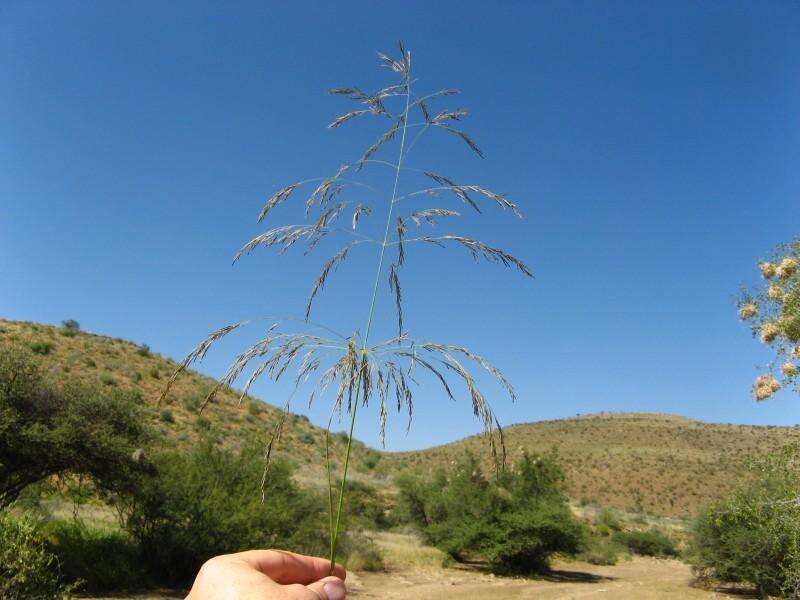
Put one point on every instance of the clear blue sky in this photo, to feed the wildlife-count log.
(654, 148)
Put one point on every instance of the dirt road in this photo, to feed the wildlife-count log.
(635, 579)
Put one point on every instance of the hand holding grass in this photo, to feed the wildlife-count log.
(268, 575)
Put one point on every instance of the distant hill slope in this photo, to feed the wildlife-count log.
(664, 464)
(117, 363)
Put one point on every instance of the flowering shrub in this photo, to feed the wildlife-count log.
(773, 312)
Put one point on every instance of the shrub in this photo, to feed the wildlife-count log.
(90, 363)
(254, 408)
(366, 507)
(101, 559)
(371, 459)
(753, 536)
(601, 551)
(42, 348)
(208, 502)
(155, 373)
(27, 568)
(143, 350)
(515, 522)
(71, 325)
(108, 379)
(73, 430)
(608, 519)
(646, 543)
(167, 416)
(362, 554)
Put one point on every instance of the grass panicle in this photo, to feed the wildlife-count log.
(350, 370)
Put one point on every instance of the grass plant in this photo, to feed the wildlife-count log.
(351, 367)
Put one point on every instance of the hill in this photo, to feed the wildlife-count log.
(661, 464)
(113, 362)
(665, 465)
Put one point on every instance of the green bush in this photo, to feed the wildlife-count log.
(366, 507)
(371, 459)
(753, 536)
(42, 348)
(100, 559)
(601, 551)
(27, 568)
(515, 522)
(607, 518)
(208, 502)
(362, 554)
(143, 350)
(77, 430)
(71, 325)
(108, 379)
(167, 416)
(646, 543)
(191, 403)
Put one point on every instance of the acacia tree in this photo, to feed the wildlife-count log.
(352, 367)
(773, 312)
(73, 430)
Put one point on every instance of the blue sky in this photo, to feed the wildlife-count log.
(653, 147)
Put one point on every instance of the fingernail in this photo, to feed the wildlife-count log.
(334, 590)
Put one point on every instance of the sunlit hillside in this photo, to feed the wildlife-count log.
(662, 464)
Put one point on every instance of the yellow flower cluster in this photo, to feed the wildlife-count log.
(767, 270)
(786, 268)
(748, 311)
(769, 331)
(765, 386)
(775, 292)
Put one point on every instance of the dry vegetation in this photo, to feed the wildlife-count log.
(661, 464)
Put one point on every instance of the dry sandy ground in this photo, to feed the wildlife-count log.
(639, 578)
(635, 579)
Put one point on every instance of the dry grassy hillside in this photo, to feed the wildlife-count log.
(662, 464)
(117, 363)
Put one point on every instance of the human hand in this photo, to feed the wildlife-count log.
(268, 575)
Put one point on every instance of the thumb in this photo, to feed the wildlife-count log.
(330, 588)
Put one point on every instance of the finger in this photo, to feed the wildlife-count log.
(287, 567)
(330, 588)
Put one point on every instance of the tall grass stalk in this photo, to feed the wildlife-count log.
(356, 370)
(371, 313)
